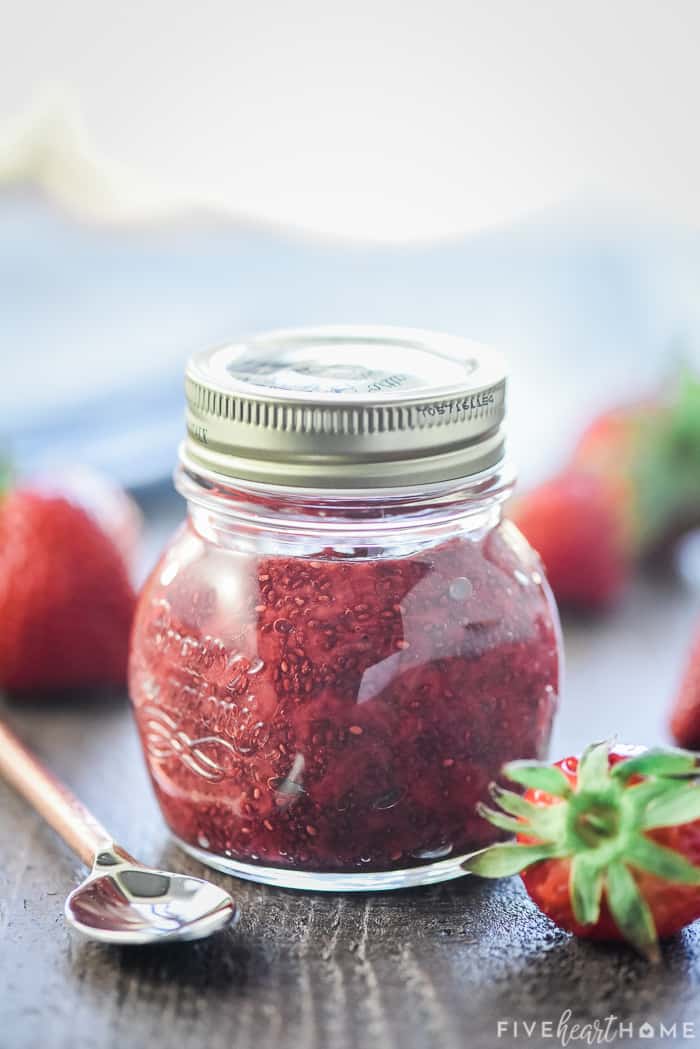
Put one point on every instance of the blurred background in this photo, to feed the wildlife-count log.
(176, 175)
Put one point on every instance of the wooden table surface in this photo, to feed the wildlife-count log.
(440, 966)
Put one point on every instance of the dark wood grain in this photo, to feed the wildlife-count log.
(430, 967)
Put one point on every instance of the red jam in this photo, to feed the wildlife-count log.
(335, 713)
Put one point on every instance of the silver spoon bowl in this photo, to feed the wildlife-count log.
(123, 902)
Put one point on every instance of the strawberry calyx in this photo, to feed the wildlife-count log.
(598, 821)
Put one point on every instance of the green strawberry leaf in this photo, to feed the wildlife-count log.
(513, 803)
(638, 796)
(500, 861)
(658, 762)
(593, 769)
(508, 823)
(664, 863)
(630, 911)
(586, 887)
(536, 776)
(673, 808)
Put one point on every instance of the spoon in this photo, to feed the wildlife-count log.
(120, 901)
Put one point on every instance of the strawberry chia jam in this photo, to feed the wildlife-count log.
(344, 642)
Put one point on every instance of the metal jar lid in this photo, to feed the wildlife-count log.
(345, 407)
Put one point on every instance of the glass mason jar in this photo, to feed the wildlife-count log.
(344, 641)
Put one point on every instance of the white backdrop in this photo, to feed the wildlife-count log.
(381, 119)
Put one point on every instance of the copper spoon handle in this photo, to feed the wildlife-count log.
(51, 799)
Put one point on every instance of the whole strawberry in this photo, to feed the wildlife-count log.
(578, 523)
(66, 599)
(609, 846)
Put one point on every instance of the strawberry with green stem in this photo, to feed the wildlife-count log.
(631, 488)
(652, 447)
(609, 846)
